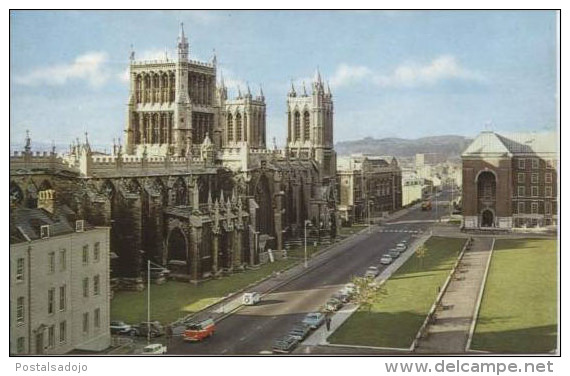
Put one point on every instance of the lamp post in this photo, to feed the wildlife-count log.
(159, 267)
(307, 223)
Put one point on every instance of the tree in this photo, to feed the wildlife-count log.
(367, 292)
(421, 252)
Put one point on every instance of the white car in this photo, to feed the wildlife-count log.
(153, 349)
(372, 272)
(401, 246)
(386, 260)
(251, 298)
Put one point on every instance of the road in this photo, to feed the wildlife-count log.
(252, 329)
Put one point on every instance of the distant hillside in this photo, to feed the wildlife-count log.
(449, 146)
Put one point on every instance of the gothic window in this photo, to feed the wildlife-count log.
(296, 126)
(230, 128)
(138, 88)
(307, 125)
(245, 127)
(180, 192)
(238, 127)
(486, 186)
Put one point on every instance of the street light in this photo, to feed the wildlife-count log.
(307, 223)
(160, 267)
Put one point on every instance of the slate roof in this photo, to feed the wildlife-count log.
(25, 223)
(489, 143)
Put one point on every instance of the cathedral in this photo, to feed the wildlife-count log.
(195, 187)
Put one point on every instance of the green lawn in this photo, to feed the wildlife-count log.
(173, 300)
(412, 289)
(518, 312)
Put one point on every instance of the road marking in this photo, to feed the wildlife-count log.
(224, 351)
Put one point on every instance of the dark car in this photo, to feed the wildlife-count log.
(333, 304)
(120, 327)
(300, 331)
(285, 344)
(394, 253)
(154, 328)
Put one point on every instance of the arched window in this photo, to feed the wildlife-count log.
(245, 126)
(297, 126)
(230, 128)
(307, 125)
(238, 127)
(138, 88)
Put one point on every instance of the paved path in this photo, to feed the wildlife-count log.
(450, 331)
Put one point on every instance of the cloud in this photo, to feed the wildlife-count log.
(442, 68)
(346, 75)
(89, 67)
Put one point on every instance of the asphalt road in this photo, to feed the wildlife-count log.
(252, 329)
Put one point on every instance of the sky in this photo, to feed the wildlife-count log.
(405, 74)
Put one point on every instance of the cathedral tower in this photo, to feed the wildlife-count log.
(310, 125)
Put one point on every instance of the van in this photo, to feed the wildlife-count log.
(251, 298)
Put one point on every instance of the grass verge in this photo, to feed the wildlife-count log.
(173, 300)
(518, 311)
(412, 289)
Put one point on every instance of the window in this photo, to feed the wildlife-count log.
(534, 178)
(297, 126)
(307, 126)
(21, 345)
(549, 163)
(548, 178)
(85, 257)
(548, 207)
(548, 191)
(20, 269)
(535, 163)
(51, 336)
(51, 262)
(62, 260)
(230, 128)
(62, 331)
(534, 191)
(534, 208)
(20, 311)
(521, 208)
(521, 163)
(51, 301)
(238, 127)
(520, 191)
(96, 285)
(85, 287)
(44, 231)
(86, 322)
(521, 177)
(97, 318)
(96, 251)
(62, 297)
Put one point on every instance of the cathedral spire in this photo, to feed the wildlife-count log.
(304, 90)
(318, 76)
(292, 92)
(239, 92)
(329, 93)
(214, 59)
(248, 91)
(182, 44)
(28, 146)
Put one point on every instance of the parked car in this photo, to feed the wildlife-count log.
(394, 253)
(300, 331)
(153, 349)
(120, 327)
(402, 246)
(386, 259)
(155, 329)
(350, 288)
(251, 298)
(342, 295)
(314, 319)
(372, 272)
(332, 305)
(426, 205)
(285, 344)
(197, 331)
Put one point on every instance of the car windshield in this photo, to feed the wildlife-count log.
(150, 349)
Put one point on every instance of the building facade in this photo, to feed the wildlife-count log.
(194, 188)
(510, 181)
(368, 187)
(59, 281)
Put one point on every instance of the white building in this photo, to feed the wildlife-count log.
(59, 281)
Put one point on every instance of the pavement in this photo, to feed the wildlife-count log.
(449, 332)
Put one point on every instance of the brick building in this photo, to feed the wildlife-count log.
(511, 180)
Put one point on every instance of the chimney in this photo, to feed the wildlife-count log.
(46, 200)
